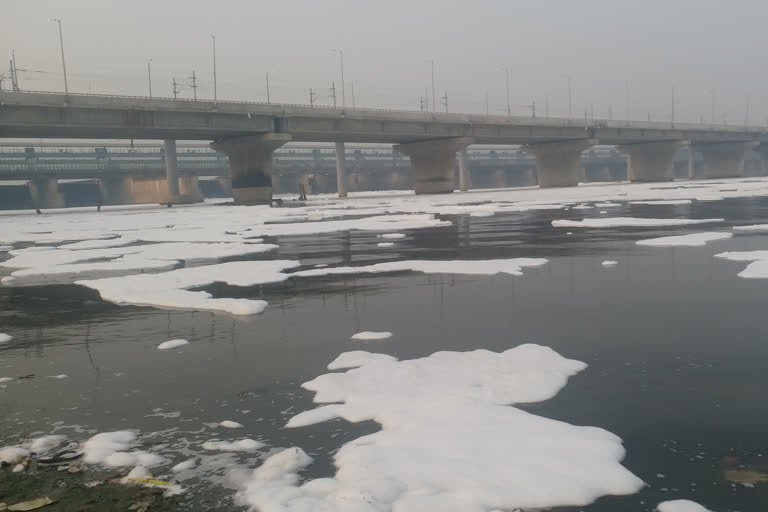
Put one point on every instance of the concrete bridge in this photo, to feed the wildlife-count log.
(249, 133)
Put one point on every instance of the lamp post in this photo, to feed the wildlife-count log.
(149, 76)
(63, 62)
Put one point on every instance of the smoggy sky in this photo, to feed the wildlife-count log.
(705, 49)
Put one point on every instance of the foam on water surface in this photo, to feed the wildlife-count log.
(681, 506)
(513, 266)
(757, 269)
(620, 222)
(692, 240)
(172, 344)
(371, 335)
(475, 453)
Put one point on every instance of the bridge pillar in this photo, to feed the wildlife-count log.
(724, 160)
(463, 171)
(433, 163)
(116, 190)
(188, 190)
(691, 162)
(250, 165)
(762, 150)
(171, 170)
(651, 161)
(225, 182)
(341, 170)
(45, 193)
(559, 163)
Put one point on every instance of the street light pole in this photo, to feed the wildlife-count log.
(149, 76)
(433, 85)
(215, 92)
(343, 95)
(570, 98)
(509, 109)
(63, 62)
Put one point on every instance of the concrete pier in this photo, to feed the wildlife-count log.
(45, 193)
(171, 170)
(559, 163)
(723, 160)
(464, 178)
(341, 170)
(651, 161)
(250, 165)
(691, 162)
(116, 190)
(433, 163)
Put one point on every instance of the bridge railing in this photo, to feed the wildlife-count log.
(284, 109)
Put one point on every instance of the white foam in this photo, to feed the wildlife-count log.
(230, 424)
(243, 445)
(692, 240)
(386, 244)
(512, 266)
(12, 454)
(681, 506)
(184, 466)
(5, 338)
(663, 202)
(172, 344)
(161, 256)
(7, 280)
(619, 222)
(392, 236)
(45, 443)
(753, 227)
(3, 380)
(609, 263)
(99, 244)
(758, 269)
(111, 449)
(61, 376)
(474, 452)
(371, 335)
(170, 289)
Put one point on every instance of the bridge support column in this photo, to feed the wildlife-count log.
(341, 169)
(651, 161)
(188, 190)
(225, 182)
(171, 170)
(463, 171)
(691, 162)
(762, 149)
(433, 163)
(116, 190)
(250, 165)
(559, 163)
(723, 160)
(45, 193)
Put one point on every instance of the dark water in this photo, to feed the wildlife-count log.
(676, 345)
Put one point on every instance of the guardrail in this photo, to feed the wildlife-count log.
(282, 109)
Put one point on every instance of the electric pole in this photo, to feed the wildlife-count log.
(673, 105)
(333, 93)
(486, 103)
(149, 76)
(546, 107)
(14, 73)
(267, 86)
(175, 85)
(63, 63)
(194, 85)
(433, 85)
(444, 101)
(312, 95)
(509, 108)
(421, 103)
(215, 92)
(353, 94)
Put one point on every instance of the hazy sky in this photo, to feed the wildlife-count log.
(705, 49)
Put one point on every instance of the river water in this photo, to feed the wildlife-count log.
(675, 344)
